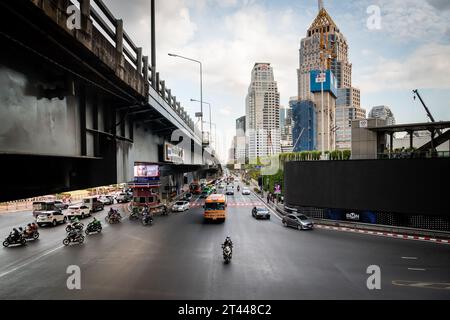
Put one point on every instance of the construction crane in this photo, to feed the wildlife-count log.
(416, 93)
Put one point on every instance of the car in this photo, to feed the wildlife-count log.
(299, 221)
(180, 206)
(61, 205)
(261, 213)
(229, 191)
(106, 200)
(78, 211)
(188, 196)
(246, 191)
(123, 197)
(53, 218)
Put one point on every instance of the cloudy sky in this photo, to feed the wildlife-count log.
(410, 50)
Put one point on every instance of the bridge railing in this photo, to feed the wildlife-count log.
(112, 28)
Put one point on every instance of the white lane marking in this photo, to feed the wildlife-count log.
(31, 261)
(417, 269)
(410, 258)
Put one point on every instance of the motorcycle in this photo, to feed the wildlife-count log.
(76, 238)
(227, 251)
(10, 241)
(135, 214)
(73, 227)
(93, 227)
(115, 218)
(147, 219)
(31, 236)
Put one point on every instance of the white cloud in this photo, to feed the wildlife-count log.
(407, 20)
(427, 67)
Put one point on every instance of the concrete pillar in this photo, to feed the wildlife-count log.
(157, 83)
(411, 139)
(85, 10)
(139, 60)
(163, 89)
(145, 60)
(391, 141)
(119, 36)
(174, 103)
(169, 96)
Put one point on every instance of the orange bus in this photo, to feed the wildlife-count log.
(216, 207)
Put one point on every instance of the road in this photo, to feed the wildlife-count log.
(179, 257)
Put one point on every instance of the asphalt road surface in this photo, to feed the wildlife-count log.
(180, 257)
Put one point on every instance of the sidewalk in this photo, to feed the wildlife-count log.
(370, 229)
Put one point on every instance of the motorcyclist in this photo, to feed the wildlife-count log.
(34, 227)
(76, 224)
(146, 215)
(238, 188)
(15, 235)
(228, 242)
(28, 230)
(95, 221)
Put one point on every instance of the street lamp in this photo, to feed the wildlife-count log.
(201, 84)
(209, 104)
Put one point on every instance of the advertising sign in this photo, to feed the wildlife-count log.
(363, 123)
(146, 172)
(352, 216)
(327, 78)
(173, 153)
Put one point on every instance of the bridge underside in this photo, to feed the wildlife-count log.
(67, 121)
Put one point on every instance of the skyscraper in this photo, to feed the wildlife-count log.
(304, 125)
(323, 42)
(241, 141)
(263, 113)
(348, 108)
(382, 112)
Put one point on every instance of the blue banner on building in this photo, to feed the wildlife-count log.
(327, 78)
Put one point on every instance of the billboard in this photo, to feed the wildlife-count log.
(173, 153)
(146, 172)
(327, 78)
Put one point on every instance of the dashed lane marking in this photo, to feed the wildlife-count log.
(417, 269)
(422, 284)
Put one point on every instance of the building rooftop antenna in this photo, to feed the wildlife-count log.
(320, 5)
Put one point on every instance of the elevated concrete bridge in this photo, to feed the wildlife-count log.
(79, 106)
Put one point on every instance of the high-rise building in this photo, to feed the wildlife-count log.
(241, 142)
(348, 108)
(304, 116)
(240, 126)
(313, 50)
(382, 112)
(263, 113)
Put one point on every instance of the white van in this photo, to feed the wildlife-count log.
(93, 204)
